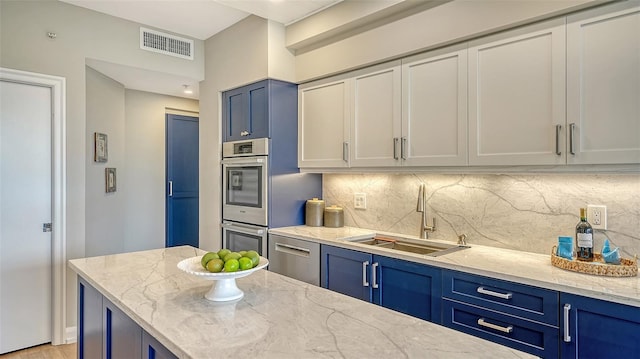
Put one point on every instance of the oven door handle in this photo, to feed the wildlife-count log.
(244, 229)
(242, 161)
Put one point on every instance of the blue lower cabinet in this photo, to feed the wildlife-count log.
(519, 316)
(89, 321)
(122, 336)
(104, 331)
(407, 287)
(152, 349)
(518, 333)
(346, 271)
(595, 328)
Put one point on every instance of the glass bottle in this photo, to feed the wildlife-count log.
(584, 238)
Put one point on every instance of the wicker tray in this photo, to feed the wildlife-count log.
(626, 268)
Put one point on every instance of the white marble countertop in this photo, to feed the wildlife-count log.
(522, 267)
(278, 316)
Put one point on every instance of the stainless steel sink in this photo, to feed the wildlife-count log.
(425, 247)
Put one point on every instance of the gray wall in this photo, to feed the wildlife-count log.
(143, 177)
(81, 34)
(105, 114)
(235, 56)
(451, 22)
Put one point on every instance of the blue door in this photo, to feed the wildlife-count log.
(598, 329)
(182, 181)
(346, 271)
(246, 112)
(407, 287)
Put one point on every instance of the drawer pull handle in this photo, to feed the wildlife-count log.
(507, 330)
(567, 337)
(481, 290)
(364, 274)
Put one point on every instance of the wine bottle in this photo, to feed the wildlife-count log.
(584, 238)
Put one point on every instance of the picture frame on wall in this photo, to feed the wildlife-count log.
(101, 152)
(110, 179)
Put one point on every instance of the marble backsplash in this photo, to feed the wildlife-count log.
(522, 212)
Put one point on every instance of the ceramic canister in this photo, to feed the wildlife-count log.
(333, 216)
(314, 211)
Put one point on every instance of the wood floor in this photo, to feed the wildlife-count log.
(45, 351)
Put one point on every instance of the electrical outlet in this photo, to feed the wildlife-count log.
(597, 216)
(360, 200)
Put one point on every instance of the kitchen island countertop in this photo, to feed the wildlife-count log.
(512, 265)
(278, 316)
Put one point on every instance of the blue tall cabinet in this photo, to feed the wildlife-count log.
(269, 109)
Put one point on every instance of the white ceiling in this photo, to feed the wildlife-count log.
(199, 19)
(202, 19)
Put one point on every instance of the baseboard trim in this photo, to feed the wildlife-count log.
(71, 335)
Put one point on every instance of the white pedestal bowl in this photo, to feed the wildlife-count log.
(224, 286)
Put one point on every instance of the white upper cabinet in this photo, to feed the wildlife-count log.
(603, 86)
(376, 118)
(517, 97)
(323, 124)
(558, 92)
(434, 104)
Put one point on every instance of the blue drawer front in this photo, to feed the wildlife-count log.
(534, 338)
(524, 301)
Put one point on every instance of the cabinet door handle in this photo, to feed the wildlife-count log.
(364, 274)
(572, 128)
(567, 337)
(403, 148)
(481, 290)
(482, 323)
(345, 151)
(395, 148)
(170, 188)
(374, 268)
(558, 128)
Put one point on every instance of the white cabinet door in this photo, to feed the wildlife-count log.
(376, 119)
(603, 86)
(323, 124)
(517, 97)
(434, 104)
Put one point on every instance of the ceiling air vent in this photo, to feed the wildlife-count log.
(155, 41)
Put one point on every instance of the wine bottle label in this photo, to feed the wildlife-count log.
(585, 240)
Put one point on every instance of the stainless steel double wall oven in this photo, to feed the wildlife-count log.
(262, 184)
(245, 167)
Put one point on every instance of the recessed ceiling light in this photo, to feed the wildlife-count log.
(187, 89)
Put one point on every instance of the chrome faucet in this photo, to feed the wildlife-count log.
(422, 207)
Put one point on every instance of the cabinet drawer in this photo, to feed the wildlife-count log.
(535, 338)
(516, 299)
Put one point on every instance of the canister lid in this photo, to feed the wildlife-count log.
(315, 200)
(333, 208)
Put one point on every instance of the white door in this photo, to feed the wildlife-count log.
(377, 117)
(25, 204)
(323, 124)
(517, 97)
(603, 85)
(434, 117)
